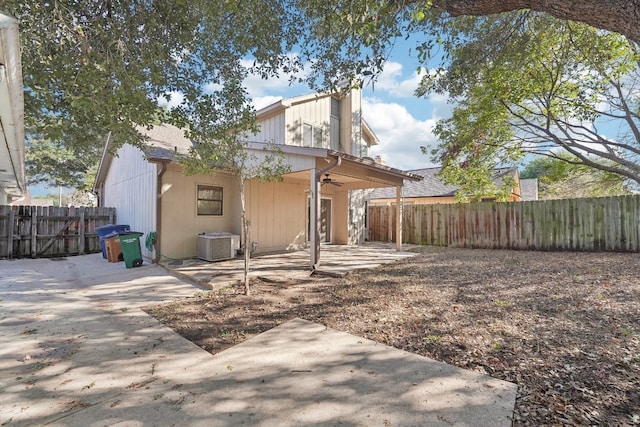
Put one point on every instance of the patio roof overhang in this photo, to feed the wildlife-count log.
(352, 173)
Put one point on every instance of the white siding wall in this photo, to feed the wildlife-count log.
(130, 187)
(272, 130)
(314, 112)
(297, 162)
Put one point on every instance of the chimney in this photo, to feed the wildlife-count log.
(378, 159)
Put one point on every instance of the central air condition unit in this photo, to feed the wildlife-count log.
(218, 246)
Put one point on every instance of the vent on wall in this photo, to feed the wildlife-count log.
(218, 246)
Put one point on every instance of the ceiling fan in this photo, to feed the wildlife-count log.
(327, 180)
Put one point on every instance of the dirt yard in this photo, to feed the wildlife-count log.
(564, 326)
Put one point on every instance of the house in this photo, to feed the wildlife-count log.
(431, 189)
(12, 167)
(321, 200)
(529, 189)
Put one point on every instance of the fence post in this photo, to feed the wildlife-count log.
(34, 232)
(12, 216)
(81, 229)
(390, 224)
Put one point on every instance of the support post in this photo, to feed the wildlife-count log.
(399, 218)
(314, 208)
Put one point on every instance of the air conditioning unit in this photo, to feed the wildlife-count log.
(218, 246)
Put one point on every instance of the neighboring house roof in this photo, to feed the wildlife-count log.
(165, 141)
(12, 167)
(431, 185)
(529, 189)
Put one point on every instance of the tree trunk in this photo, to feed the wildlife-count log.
(245, 237)
(621, 16)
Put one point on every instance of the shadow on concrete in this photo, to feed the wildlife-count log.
(75, 349)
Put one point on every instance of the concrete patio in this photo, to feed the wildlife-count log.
(76, 349)
(282, 266)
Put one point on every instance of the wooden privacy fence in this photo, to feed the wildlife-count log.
(597, 224)
(46, 231)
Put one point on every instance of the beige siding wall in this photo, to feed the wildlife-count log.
(180, 222)
(340, 204)
(130, 187)
(277, 212)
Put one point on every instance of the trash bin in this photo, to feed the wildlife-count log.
(130, 243)
(107, 230)
(114, 250)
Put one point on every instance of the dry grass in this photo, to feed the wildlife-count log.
(564, 326)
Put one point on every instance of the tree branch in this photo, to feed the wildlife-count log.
(613, 15)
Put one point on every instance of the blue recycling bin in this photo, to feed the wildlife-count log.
(108, 230)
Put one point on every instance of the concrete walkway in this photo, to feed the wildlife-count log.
(77, 350)
(334, 259)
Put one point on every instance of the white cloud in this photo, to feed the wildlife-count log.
(263, 101)
(175, 99)
(401, 134)
(391, 80)
(258, 87)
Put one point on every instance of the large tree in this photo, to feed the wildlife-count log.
(97, 66)
(101, 65)
(529, 83)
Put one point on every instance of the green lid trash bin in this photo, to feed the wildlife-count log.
(130, 243)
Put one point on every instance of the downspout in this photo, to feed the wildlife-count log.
(315, 192)
(163, 169)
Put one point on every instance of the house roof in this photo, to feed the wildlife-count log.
(12, 167)
(431, 185)
(284, 103)
(164, 141)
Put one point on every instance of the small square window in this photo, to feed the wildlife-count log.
(209, 200)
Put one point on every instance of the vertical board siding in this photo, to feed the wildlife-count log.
(47, 231)
(130, 186)
(596, 224)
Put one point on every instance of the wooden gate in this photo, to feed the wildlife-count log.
(47, 231)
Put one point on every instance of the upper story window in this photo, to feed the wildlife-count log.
(209, 200)
(311, 136)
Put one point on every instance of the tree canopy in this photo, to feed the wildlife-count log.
(529, 83)
(566, 177)
(98, 66)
